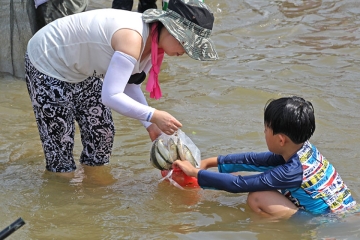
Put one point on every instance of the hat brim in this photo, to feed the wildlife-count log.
(195, 45)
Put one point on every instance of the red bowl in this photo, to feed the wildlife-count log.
(181, 178)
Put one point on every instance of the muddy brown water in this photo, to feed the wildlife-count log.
(267, 49)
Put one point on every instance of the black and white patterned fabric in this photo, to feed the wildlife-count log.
(57, 105)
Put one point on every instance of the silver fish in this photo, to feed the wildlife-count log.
(180, 149)
(153, 159)
(173, 151)
(164, 152)
(163, 164)
(188, 155)
(156, 159)
(185, 153)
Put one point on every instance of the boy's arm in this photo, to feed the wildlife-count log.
(280, 177)
(249, 161)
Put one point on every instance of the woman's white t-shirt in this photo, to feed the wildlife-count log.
(78, 46)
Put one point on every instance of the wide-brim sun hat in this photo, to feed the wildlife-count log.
(190, 22)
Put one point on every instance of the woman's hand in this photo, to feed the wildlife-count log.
(165, 122)
(154, 132)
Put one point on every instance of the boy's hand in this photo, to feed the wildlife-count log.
(186, 167)
(208, 163)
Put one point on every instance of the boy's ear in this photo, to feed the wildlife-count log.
(282, 139)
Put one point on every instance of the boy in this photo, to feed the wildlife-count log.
(293, 165)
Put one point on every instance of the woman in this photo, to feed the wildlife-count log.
(68, 58)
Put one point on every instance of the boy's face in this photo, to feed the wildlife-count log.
(271, 140)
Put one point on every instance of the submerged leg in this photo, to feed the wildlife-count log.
(271, 204)
(54, 112)
(95, 122)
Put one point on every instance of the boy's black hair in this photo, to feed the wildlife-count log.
(292, 116)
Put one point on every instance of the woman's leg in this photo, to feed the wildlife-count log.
(95, 122)
(53, 109)
(271, 204)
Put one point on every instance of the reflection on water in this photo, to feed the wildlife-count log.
(299, 8)
(267, 49)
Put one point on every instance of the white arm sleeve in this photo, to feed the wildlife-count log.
(134, 91)
(115, 81)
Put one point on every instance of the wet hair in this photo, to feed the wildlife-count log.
(292, 116)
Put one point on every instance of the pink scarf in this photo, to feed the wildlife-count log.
(157, 55)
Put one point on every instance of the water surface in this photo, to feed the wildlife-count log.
(267, 49)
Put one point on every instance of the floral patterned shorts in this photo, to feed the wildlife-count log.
(57, 105)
